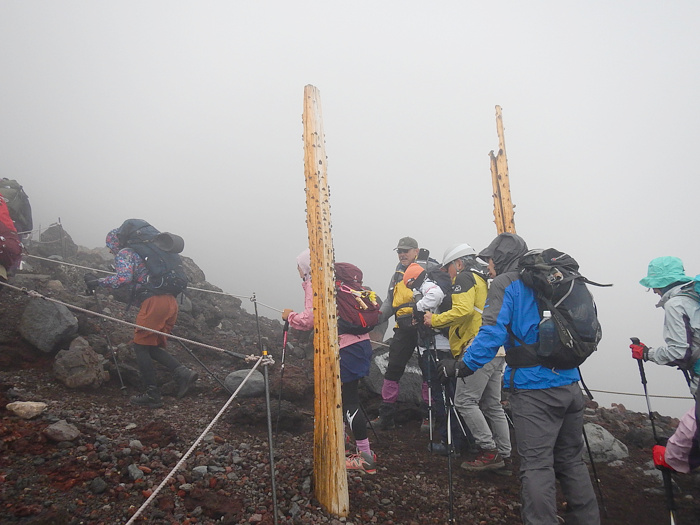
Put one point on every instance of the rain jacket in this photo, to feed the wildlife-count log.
(464, 318)
(680, 453)
(681, 332)
(511, 305)
(401, 304)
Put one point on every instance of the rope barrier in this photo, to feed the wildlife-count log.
(35, 294)
(64, 263)
(639, 395)
(197, 441)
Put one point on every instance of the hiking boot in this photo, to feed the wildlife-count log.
(362, 461)
(485, 460)
(149, 399)
(507, 469)
(385, 421)
(426, 427)
(185, 378)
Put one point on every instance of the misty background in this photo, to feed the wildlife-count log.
(188, 115)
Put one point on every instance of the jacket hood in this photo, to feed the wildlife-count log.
(112, 241)
(505, 250)
(304, 263)
(685, 289)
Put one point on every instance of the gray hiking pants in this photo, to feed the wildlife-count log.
(478, 400)
(549, 434)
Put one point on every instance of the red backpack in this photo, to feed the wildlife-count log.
(358, 306)
(10, 245)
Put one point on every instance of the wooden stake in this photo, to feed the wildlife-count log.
(503, 213)
(330, 477)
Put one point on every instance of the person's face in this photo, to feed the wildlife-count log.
(453, 269)
(407, 256)
(658, 291)
(492, 269)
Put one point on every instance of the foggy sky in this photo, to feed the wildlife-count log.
(189, 115)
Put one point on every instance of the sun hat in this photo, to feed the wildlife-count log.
(663, 271)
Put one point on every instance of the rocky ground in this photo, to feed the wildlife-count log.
(122, 453)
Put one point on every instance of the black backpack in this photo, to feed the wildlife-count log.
(561, 290)
(166, 276)
(18, 204)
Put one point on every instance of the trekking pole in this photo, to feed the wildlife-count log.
(285, 331)
(109, 344)
(189, 351)
(665, 473)
(446, 400)
(263, 352)
(369, 423)
(595, 472)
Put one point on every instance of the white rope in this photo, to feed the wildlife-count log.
(253, 299)
(196, 443)
(35, 294)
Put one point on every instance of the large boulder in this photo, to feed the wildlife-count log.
(80, 366)
(411, 382)
(604, 447)
(46, 325)
(253, 387)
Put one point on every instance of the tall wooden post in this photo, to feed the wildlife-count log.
(503, 213)
(330, 477)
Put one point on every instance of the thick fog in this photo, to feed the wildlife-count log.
(189, 115)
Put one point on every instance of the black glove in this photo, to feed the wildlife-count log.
(449, 368)
(418, 316)
(91, 282)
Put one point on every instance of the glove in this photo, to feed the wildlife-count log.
(448, 368)
(659, 454)
(640, 351)
(91, 282)
(418, 316)
(286, 312)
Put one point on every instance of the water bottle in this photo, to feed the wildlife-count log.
(548, 335)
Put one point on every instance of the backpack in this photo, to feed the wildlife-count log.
(10, 245)
(573, 318)
(18, 204)
(166, 276)
(692, 353)
(358, 306)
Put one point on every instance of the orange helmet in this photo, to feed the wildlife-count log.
(414, 276)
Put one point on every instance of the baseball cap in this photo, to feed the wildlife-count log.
(407, 243)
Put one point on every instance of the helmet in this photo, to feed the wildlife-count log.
(457, 252)
(414, 276)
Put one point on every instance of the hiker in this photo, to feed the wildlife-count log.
(681, 453)
(10, 243)
(547, 404)
(681, 304)
(157, 312)
(399, 303)
(432, 346)
(477, 397)
(355, 357)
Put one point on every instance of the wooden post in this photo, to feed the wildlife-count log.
(330, 476)
(503, 213)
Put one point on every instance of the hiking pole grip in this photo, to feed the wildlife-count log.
(640, 363)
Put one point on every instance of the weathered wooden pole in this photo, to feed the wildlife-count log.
(330, 477)
(503, 213)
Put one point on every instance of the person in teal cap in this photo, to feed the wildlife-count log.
(681, 303)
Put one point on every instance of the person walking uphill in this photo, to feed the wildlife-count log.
(681, 303)
(547, 404)
(477, 397)
(399, 303)
(355, 357)
(157, 312)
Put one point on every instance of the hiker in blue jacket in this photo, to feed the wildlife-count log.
(547, 404)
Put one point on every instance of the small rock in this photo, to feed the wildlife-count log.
(134, 472)
(98, 486)
(26, 409)
(62, 431)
